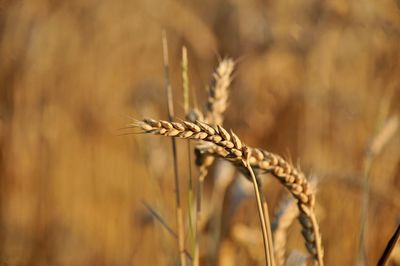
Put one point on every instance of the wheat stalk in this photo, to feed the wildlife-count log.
(378, 142)
(228, 146)
(179, 212)
(285, 215)
(215, 106)
(263, 211)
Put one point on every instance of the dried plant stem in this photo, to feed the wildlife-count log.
(214, 109)
(196, 256)
(192, 227)
(229, 146)
(268, 225)
(390, 246)
(284, 217)
(266, 232)
(186, 104)
(179, 213)
(382, 137)
(199, 216)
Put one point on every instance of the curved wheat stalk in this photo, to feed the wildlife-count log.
(297, 184)
(228, 146)
(285, 215)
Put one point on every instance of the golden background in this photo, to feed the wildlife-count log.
(314, 81)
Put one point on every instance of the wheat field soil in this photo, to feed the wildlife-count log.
(285, 132)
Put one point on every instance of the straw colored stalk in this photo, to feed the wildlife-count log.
(178, 212)
(285, 215)
(229, 146)
(214, 109)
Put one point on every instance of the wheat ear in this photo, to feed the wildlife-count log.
(228, 146)
(217, 99)
(219, 136)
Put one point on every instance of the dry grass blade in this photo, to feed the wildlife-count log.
(229, 147)
(161, 220)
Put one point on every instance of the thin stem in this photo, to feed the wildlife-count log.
(200, 187)
(381, 137)
(267, 220)
(364, 212)
(179, 213)
(192, 229)
(390, 246)
(186, 105)
(164, 224)
(267, 248)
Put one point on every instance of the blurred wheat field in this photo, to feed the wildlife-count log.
(314, 82)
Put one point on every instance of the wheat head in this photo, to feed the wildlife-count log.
(228, 146)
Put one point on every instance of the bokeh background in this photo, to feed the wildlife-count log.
(314, 81)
